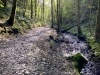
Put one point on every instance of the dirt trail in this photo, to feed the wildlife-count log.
(18, 52)
(30, 54)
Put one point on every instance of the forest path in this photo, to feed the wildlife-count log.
(30, 54)
(34, 53)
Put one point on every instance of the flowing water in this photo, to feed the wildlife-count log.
(75, 46)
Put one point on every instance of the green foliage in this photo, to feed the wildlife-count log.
(39, 24)
(5, 12)
(1, 4)
(95, 46)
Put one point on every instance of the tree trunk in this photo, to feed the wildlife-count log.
(24, 7)
(58, 15)
(35, 9)
(43, 8)
(97, 31)
(52, 13)
(38, 10)
(10, 21)
(31, 8)
(78, 13)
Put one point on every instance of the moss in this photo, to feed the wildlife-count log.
(95, 46)
(78, 61)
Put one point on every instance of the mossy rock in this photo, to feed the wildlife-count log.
(78, 61)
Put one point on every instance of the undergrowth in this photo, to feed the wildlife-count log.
(22, 23)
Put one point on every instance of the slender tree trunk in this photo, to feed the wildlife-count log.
(90, 20)
(31, 8)
(55, 14)
(58, 15)
(10, 21)
(60, 12)
(38, 9)
(52, 13)
(41, 14)
(78, 13)
(43, 8)
(35, 9)
(97, 31)
(24, 8)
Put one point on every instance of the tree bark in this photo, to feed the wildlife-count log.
(97, 31)
(58, 15)
(35, 8)
(10, 21)
(43, 8)
(25, 2)
(52, 13)
(31, 8)
(78, 13)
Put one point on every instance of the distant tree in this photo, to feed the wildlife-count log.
(38, 10)
(97, 31)
(52, 13)
(35, 8)
(43, 7)
(55, 10)
(58, 15)
(10, 21)
(78, 19)
(31, 8)
(25, 5)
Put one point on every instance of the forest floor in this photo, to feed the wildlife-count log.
(33, 53)
(41, 51)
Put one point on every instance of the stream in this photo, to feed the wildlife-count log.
(75, 46)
